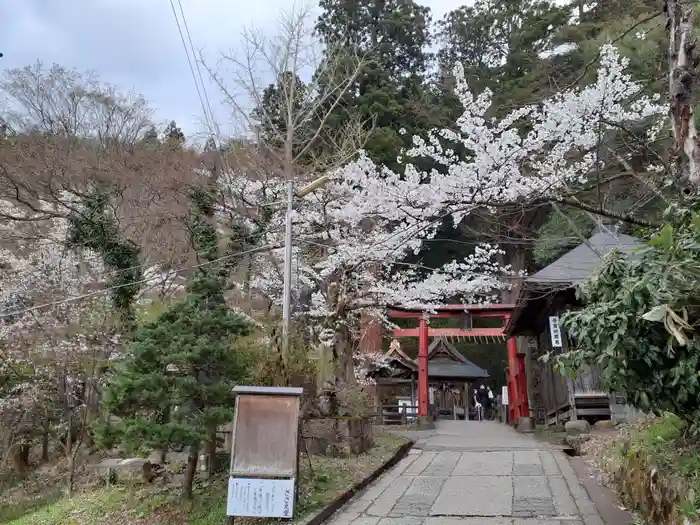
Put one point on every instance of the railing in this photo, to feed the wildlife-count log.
(396, 414)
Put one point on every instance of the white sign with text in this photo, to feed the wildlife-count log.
(260, 498)
(555, 331)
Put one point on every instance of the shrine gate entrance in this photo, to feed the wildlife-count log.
(515, 372)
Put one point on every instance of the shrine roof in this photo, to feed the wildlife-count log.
(446, 370)
(444, 361)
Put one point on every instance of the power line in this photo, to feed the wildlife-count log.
(189, 61)
(149, 264)
(199, 70)
(116, 287)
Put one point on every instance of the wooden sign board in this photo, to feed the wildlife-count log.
(264, 452)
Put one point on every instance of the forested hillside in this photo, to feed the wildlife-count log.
(143, 276)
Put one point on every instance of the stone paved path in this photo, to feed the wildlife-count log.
(471, 473)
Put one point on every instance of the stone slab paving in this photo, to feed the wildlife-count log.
(474, 473)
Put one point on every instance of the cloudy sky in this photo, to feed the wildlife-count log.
(135, 44)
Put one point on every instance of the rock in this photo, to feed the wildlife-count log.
(134, 467)
(576, 442)
(157, 457)
(580, 426)
(605, 423)
(526, 425)
(221, 462)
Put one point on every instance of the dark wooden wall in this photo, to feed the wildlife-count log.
(559, 391)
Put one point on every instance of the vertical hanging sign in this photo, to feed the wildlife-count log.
(264, 452)
(555, 331)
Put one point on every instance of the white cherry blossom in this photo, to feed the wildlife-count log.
(353, 236)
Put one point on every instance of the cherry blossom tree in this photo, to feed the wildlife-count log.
(46, 338)
(352, 236)
(58, 329)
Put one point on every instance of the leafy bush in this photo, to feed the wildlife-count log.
(656, 468)
(639, 322)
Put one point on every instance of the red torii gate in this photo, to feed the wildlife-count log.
(515, 373)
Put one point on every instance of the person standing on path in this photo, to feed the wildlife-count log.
(492, 405)
(478, 408)
(482, 398)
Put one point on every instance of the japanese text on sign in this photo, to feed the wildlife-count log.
(252, 497)
(555, 331)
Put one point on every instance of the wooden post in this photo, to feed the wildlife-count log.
(513, 368)
(423, 367)
(522, 384)
(413, 391)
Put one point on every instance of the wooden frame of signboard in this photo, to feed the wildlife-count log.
(264, 452)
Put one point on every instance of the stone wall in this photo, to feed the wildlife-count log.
(337, 436)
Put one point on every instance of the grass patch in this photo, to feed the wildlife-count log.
(656, 469)
(322, 479)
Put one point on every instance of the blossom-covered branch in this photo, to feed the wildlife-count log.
(353, 236)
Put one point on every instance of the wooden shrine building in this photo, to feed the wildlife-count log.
(542, 299)
(450, 378)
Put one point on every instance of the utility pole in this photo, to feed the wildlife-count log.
(287, 286)
(287, 290)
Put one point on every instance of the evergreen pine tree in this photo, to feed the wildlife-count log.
(173, 135)
(175, 386)
(150, 137)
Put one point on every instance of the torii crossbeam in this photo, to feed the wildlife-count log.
(515, 374)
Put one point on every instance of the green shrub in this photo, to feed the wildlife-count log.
(638, 323)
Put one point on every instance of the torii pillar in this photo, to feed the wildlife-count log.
(424, 419)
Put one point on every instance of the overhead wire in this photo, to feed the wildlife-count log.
(148, 264)
(189, 62)
(132, 283)
(209, 118)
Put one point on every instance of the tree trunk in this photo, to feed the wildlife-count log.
(71, 474)
(372, 332)
(344, 367)
(190, 471)
(70, 455)
(20, 459)
(45, 438)
(211, 453)
(682, 64)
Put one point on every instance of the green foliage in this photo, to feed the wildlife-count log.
(173, 135)
(150, 137)
(93, 226)
(498, 42)
(560, 234)
(301, 369)
(178, 377)
(176, 382)
(209, 279)
(271, 116)
(639, 322)
(657, 470)
(390, 91)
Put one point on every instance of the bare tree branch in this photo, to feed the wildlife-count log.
(295, 126)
